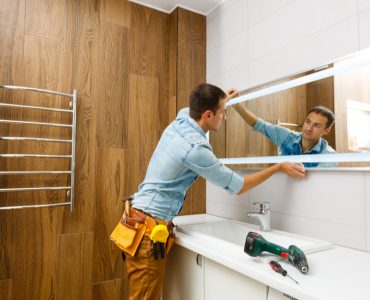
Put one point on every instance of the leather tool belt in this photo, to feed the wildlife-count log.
(132, 227)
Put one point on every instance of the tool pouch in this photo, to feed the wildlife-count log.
(169, 244)
(127, 235)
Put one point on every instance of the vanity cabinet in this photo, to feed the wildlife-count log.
(191, 276)
(184, 275)
(277, 295)
(222, 283)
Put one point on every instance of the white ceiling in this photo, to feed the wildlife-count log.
(199, 6)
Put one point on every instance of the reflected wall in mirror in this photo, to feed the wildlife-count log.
(347, 95)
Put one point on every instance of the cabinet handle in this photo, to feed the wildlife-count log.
(199, 260)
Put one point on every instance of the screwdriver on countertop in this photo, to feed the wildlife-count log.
(279, 269)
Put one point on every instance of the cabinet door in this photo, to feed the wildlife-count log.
(184, 275)
(222, 283)
(277, 295)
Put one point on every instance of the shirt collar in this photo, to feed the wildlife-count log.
(314, 149)
(196, 126)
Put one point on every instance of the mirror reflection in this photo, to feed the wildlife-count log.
(288, 113)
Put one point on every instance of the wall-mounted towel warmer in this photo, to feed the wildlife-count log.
(72, 141)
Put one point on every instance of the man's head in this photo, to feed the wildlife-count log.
(318, 123)
(207, 106)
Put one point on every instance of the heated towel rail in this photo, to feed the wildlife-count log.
(72, 141)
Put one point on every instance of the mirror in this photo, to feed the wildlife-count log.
(342, 86)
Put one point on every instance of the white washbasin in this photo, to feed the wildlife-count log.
(235, 232)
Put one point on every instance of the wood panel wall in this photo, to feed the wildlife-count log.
(133, 68)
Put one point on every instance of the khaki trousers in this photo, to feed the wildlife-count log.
(144, 273)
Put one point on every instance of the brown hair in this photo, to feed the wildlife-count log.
(204, 97)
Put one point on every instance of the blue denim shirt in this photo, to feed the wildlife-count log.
(290, 142)
(183, 153)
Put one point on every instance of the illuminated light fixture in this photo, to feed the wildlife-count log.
(306, 158)
(358, 60)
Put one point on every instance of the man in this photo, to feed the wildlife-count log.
(317, 124)
(182, 154)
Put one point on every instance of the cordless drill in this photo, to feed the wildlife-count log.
(255, 244)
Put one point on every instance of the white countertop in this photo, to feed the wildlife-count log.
(337, 273)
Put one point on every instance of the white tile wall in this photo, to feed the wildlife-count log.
(337, 233)
(313, 196)
(263, 9)
(327, 205)
(225, 24)
(297, 21)
(364, 28)
(235, 78)
(228, 55)
(315, 50)
(363, 4)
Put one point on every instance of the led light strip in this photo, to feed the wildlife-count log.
(362, 59)
(307, 158)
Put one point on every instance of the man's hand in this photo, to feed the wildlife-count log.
(232, 93)
(295, 170)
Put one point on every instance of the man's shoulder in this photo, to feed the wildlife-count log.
(326, 149)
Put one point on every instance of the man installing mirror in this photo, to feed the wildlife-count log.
(316, 125)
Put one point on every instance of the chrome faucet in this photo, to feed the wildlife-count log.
(263, 216)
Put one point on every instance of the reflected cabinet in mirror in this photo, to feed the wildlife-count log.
(346, 94)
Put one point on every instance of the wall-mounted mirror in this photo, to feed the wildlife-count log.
(342, 86)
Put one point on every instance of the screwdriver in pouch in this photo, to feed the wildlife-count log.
(279, 269)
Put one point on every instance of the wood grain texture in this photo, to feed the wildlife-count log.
(172, 66)
(6, 244)
(45, 18)
(111, 109)
(6, 289)
(191, 54)
(11, 54)
(111, 165)
(116, 11)
(81, 73)
(149, 52)
(144, 127)
(36, 232)
(148, 42)
(74, 252)
(112, 290)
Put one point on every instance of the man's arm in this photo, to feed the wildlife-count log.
(296, 171)
(203, 162)
(245, 114)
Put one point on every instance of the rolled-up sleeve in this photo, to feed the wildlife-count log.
(202, 161)
(277, 134)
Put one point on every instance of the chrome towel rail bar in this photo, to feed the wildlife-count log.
(72, 156)
(21, 138)
(35, 155)
(36, 205)
(34, 123)
(44, 188)
(33, 172)
(36, 107)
